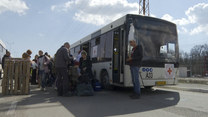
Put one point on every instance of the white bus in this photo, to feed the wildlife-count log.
(108, 49)
(2, 53)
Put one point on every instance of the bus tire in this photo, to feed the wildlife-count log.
(105, 81)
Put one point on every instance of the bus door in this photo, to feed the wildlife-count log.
(122, 54)
(117, 56)
(86, 47)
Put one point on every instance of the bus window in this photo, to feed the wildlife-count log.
(163, 49)
(72, 51)
(171, 50)
(99, 49)
(76, 51)
(86, 47)
(102, 47)
(168, 50)
(92, 43)
(97, 41)
(108, 46)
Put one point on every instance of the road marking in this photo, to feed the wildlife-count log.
(12, 108)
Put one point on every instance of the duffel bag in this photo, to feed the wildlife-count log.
(84, 89)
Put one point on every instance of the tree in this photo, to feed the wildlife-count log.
(198, 54)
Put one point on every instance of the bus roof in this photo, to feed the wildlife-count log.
(103, 30)
(113, 25)
(2, 43)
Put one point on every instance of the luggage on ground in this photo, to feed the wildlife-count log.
(96, 85)
(84, 87)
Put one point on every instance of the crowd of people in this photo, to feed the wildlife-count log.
(47, 71)
(42, 73)
(63, 61)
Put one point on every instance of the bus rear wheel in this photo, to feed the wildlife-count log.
(105, 82)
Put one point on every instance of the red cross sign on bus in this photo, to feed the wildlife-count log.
(94, 49)
(169, 71)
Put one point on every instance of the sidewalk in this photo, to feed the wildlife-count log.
(193, 80)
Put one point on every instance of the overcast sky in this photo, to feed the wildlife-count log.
(47, 24)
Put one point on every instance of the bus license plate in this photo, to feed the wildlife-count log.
(160, 83)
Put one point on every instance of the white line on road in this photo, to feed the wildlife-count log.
(12, 108)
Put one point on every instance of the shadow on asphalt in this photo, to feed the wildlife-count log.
(105, 103)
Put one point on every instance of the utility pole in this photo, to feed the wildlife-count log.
(144, 7)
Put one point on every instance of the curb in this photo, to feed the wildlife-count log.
(184, 89)
(193, 80)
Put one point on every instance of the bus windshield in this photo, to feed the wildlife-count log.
(159, 42)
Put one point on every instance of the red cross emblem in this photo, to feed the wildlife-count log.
(169, 71)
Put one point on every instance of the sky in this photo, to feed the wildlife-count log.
(47, 24)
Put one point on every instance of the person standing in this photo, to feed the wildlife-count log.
(46, 67)
(77, 60)
(61, 62)
(85, 64)
(41, 71)
(135, 63)
(34, 70)
(6, 56)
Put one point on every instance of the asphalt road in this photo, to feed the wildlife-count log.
(160, 102)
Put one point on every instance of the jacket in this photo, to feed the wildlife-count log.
(40, 62)
(137, 56)
(85, 64)
(62, 58)
(46, 64)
